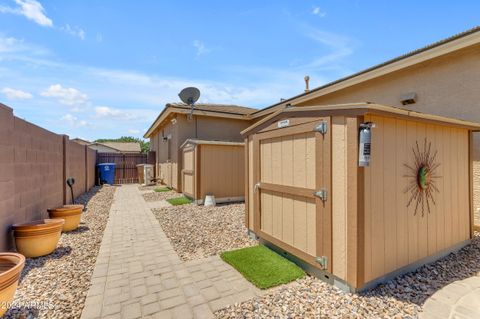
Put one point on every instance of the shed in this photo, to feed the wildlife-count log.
(213, 168)
(357, 226)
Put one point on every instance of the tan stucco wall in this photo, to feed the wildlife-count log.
(209, 128)
(446, 86)
(201, 127)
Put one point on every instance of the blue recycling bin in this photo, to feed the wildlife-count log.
(106, 173)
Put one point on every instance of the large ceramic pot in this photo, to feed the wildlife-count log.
(11, 265)
(70, 213)
(37, 238)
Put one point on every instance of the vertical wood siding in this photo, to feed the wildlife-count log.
(188, 171)
(394, 234)
(339, 196)
(251, 184)
(289, 161)
(222, 171)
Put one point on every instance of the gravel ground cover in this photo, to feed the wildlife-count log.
(156, 196)
(55, 286)
(198, 231)
(402, 297)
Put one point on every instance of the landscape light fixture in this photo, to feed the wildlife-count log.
(70, 182)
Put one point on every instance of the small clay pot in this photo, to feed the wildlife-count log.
(71, 214)
(37, 238)
(11, 265)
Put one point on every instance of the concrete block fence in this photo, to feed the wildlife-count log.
(34, 165)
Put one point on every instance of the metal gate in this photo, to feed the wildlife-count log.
(292, 200)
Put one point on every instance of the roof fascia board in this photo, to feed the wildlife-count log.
(446, 48)
(366, 108)
(172, 109)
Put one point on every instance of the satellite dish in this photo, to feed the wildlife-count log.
(189, 96)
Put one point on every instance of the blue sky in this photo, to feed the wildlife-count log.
(96, 69)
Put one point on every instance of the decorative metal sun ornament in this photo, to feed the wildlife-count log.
(422, 178)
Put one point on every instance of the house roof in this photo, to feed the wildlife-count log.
(211, 142)
(130, 147)
(221, 108)
(81, 141)
(203, 109)
(459, 41)
(359, 109)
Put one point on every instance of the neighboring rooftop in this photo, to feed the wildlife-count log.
(124, 147)
(205, 109)
(222, 108)
(81, 141)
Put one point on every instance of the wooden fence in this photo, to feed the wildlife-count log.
(126, 165)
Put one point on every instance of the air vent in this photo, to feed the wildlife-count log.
(408, 98)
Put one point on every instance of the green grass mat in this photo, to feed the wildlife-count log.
(179, 201)
(263, 267)
(162, 189)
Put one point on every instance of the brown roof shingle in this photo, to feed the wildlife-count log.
(124, 146)
(222, 108)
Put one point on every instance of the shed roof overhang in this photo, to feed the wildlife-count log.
(169, 110)
(355, 109)
(210, 142)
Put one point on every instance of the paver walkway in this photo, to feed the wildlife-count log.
(458, 300)
(138, 274)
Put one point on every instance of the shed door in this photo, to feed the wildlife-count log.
(188, 172)
(292, 166)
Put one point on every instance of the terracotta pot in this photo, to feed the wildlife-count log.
(11, 265)
(37, 238)
(71, 214)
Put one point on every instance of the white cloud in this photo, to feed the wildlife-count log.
(9, 44)
(340, 46)
(318, 12)
(31, 9)
(75, 31)
(133, 131)
(17, 49)
(13, 94)
(201, 48)
(137, 115)
(105, 111)
(73, 120)
(99, 37)
(67, 96)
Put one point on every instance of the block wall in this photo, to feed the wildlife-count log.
(34, 164)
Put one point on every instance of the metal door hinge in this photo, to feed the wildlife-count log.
(322, 127)
(256, 187)
(322, 194)
(323, 261)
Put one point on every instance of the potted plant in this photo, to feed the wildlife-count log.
(71, 214)
(11, 265)
(37, 238)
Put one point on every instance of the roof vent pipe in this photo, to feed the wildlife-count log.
(306, 78)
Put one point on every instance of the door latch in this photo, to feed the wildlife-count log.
(322, 194)
(256, 187)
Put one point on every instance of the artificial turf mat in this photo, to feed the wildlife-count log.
(263, 267)
(179, 201)
(162, 189)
